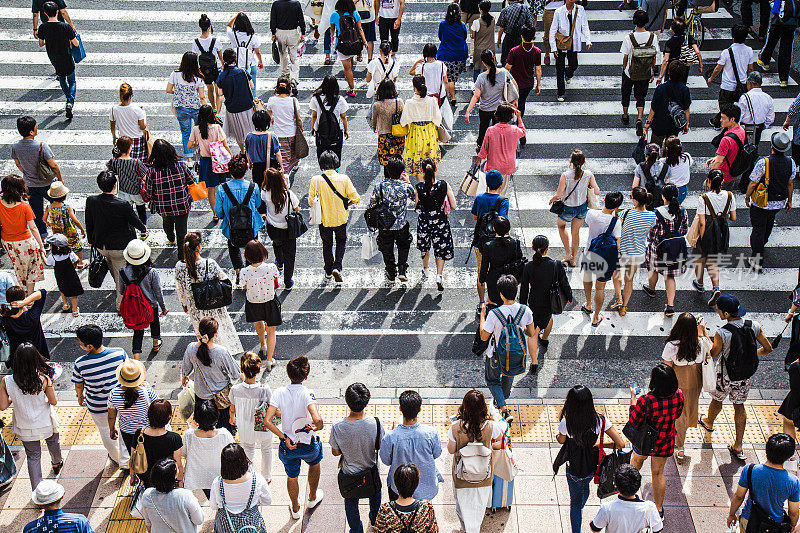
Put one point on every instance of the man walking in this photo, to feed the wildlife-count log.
(758, 109)
(525, 64)
(728, 146)
(39, 14)
(335, 193)
(492, 199)
(737, 342)
(288, 26)
(735, 63)
(569, 31)
(777, 172)
(56, 37)
(782, 25)
(639, 50)
(49, 496)
(26, 154)
(512, 19)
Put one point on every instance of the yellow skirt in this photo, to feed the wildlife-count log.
(422, 142)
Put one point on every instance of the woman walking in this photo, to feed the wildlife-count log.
(202, 447)
(165, 507)
(714, 209)
(18, 231)
(158, 442)
(679, 164)
(214, 370)
(325, 106)
(262, 149)
(261, 307)
(284, 119)
(660, 407)
(22, 320)
(490, 92)
(573, 188)
(188, 90)
(131, 174)
(433, 226)
(130, 120)
(128, 402)
(29, 390)
(453, 50)
(245, 398)
(387, 106)
(191, 270)
(472, 425)
(280, 201)
(422, 116)
(500, 143)
(636, 224)
(501, 255)
(246, 46)
(482, 32)
(235, 85)
(579, 430)
(139, 271)
(207, 132)
(684, 350)
(346, 8)
(434, 72)
(383, 68)
(208, 45)
(671, 221)
(167, 187)
(237, 492)
(651, 174)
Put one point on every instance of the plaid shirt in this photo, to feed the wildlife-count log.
(662, 414)
(168, 190)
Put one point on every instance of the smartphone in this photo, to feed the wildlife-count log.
(636, 388)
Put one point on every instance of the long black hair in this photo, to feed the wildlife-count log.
(205, 117)
(487, 56)
(242, 24)
(485, 8)
(540, 245)
(163, 155)
(670, 194)
(190, 68)
(28, 364)
(580, 415)
(453, 14)
(130, 395)
(208, 329)
(429, 169)
(684, 332)
(329, 88)
(345, 6)
(502, 227)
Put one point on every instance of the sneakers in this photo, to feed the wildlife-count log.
(313, 503)
(714, 297)
(625, 119)
(560, 98)
(402, 277)
(296, 515)
(764, 66)
(389, 278)
(337, 276)
(328, 277)
(784, 83)
(547, 59)
(697, 286)
(269, 365)
(289, 286)
(648, 291)
(669, 311)
(507, 416)
(68, 111)
(567, 80)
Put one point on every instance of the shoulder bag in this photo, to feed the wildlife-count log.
(138, 456)
(379, 216)
(98, 268)
(559, 205)
(760, 194)
(558, 300)
(644, 436)
(741, 88)
(221, 398)
(345, 200)
(43, 170)
(294, 220)
(366, 483)
(212, 293)
(564, 42)
(510, 93)
(299, 143)
(398, 130)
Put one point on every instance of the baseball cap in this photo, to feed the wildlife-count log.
(728, 303)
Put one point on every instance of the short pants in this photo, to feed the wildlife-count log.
(571, 212)
(291, 459)
(737, 391)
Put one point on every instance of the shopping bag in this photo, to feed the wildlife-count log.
(316, 212)
(469, 185)
(219, 157)
(503, 464)
(606, 469)
(369, 245)
(709, 371)
(8, 468)
(447, 115)
(186, 401)
(198, 191)
(694, 232)
(78, 52)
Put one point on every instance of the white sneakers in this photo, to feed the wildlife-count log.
(337, 276)
(309, 505)
(296, 515)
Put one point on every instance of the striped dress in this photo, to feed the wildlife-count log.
(98, 373)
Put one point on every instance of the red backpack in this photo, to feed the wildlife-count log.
(136, 311)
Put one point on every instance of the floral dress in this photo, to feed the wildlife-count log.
(206, 269)
(61, 223)
(664, 225)
(433, 227)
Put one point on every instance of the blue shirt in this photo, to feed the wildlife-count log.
(418, 444)
(335, 16)
(6, 280)
(484, 202)
(239, 190)
(256, 147)
(57, 521)
(98, 373)
(453, 45)
(233, 82)
(772, 487)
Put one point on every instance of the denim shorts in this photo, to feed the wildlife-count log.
(571, 212)
(291, 459)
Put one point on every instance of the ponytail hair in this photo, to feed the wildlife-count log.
(670, 194)
(485, 8)
(205, 23)
(125, 92)
(487, 57)
(652, 151)
(715, 178)
(208, 329)
(641, 196)
(540, 244)
(385, 48)
(191, 243)
(577, 160)
(429, 169)
(419, 85)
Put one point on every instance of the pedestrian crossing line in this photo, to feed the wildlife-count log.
(533, 200)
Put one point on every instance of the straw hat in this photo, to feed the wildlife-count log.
(57, 190)
(131, 373)
(137, 252)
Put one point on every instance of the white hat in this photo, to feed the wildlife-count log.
(137, 252)
(47, 492)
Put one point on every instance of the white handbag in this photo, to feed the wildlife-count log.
(186, 401)
(316, 210)
(447, 115)
(709, 371)
(369, 245)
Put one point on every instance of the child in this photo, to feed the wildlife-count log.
(131, 174)
(64, 261)
(60, 218)
(245, 399)
(140, 271)
(261, 307)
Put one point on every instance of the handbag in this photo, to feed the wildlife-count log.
(644, 436)
(379, 216)
(221, 398)
(149, 141)
(442, 134)
(276, 54)
(299, 143)
(469, 185)
(43, 171)
(591, 199)
(138, 461)
(366, 483)
(760, 194)
(606, 469)
(294, 220)
(315, 218)
(447, 115)
(98, 268)
(258, 105)
(78, 52)
(219, 157)
(558, 206)
(260, 418)
(212, 293)
(510, 93)
(398, 130)
(186, 401)
(694, 232)
(558, 300)
(8, 467)
(638, 151)
(136, 495)
(198, 191)
(369, 245)
(709, 372)
(503, 464)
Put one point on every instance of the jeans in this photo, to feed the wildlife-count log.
(501, 389)
(285, 251)
(354, 517)
(155, 332)
(486, 119)
(175, 226)
(784, 34)
(68, 86)
(236, 254)
(33, 455)
(186, 117)
(326, 234)
(253, 71)
(682, 192)
(566, 65)
(38, 197)
(762, 221)
(327, 41)
(763, 14)
(386, 242)
(578, 494)
(386, 29)
(639, 89)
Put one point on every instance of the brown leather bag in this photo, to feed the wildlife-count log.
(564, 42)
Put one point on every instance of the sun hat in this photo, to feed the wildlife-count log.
(47, 492)
(137, 252)
(131, 373)
(57, 190)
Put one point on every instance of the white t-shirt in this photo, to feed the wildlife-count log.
(389, 9)
(625, 516)
(203, 457)
(605, 422)
(718, 201)
(492, 324)
(670, 353)
(205, 42)
(680, 173)
(743, 55)
(259, 282)
(641, 38)
(274, 219)
(245, 57)
(176, 78)
(339, 109)
(598, 223)
(127, 118)
(498, 428)
(237, 494)
(381, 71)
(293, 401)
(282, 109)
(433, 73)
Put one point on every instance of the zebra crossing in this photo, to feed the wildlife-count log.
(406, 335)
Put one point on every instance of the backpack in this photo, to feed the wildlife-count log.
(672, 249)
(474, 463)
(745, 158)
(349, 43)
(328, 130)
(653, 185)
(716, 236)
(208, 63)
(240, 217)
(511, 349)
(484, 227)
(789, 14)
(605, 247)
(642, 59)
(405, 527)
(742, 360)
(135, 309)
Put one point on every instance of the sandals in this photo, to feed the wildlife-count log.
(157, 345)
(351, 93)
(616, 304)
(77, 311)
(215, 219)
(704, 426)
(57, 467)
(680, 457)
(599, 319)
(66, 308)
(622, 310)
(568, 263)
(738, 454)
(586, 309)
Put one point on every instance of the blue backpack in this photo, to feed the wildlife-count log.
(605, 247)
(511, 350)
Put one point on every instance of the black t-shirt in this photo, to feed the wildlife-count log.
(157, 448)
(664, 93)
(469, 6)
(57, 37)
(38, 7)
(673, 48)
(28, 328)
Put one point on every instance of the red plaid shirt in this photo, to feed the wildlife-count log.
(167, 189)
(662, 414)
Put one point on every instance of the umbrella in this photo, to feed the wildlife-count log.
(777, 340)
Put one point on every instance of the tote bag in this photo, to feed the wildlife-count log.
(219, 157)
(212, 293)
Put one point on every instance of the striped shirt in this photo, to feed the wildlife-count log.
(98, 373)
(133, 417)
(635, 227)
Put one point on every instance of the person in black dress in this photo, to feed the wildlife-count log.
(434, 201)
(63, 261)
(790, 408)
(501, 255)
(158, 442)
(22, 320)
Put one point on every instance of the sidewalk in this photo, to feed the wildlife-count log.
(697, 499)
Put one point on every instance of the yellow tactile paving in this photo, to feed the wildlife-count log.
(126, 526)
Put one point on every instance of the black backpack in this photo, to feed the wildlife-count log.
(653, 184)
(716, 236)
(350, 43)
(328, 130)
(240, 217)
(745, 158)
(484, 227)
(208, 63)
(742, 360)
(671, 250)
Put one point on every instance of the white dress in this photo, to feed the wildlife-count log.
(226, 335)
(33, 418)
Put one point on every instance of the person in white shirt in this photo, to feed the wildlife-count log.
(679, 165)
(627, 512)
(569, 20)
(758, 109)
(723, 203)
(246, 44)
(599, 221)
(261, 309)
(202, 447)
(390, 16)
(742, 56)
(639, 87)
(384, 67)
(211, 45)
(128, 119)
(248, 399)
